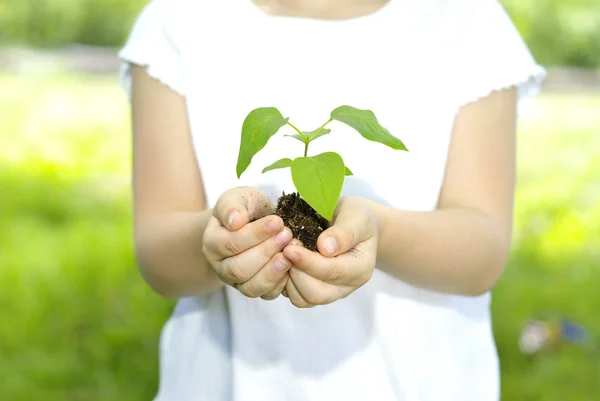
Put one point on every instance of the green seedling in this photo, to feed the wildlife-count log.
(318, 179)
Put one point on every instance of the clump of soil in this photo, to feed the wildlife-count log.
(301, 218)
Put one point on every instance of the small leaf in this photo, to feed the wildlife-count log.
(259, 126)
(348, 172)
(312, 135)
(281, 163)
(365, 122)
(298, 137)
(319, 180)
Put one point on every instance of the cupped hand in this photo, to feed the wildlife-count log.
(243, 243)
(345, 261)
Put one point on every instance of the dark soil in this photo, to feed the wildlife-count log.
(303, 220)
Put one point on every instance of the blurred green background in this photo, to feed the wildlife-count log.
(78, 323)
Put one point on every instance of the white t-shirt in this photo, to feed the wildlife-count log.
(415, 63)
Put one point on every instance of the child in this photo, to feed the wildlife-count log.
(395, 305)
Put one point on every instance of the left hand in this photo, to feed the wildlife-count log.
(345, 261)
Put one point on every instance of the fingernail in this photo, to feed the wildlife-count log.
(283, 237)
(330, 245)
(281, 264)
(295, 242)
(231, 218)
(273, 226)
(293, 256)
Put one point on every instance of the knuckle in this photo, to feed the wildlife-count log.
(231, 247)
(236, 272)
(298, 303)
(208, 248)
(208, 240)
(218, 268)
(334, 275)
(316, 298)
(277, 288)
(270, 296)
(211, 239)
(207, 252)
(249, 290)
(268, 251)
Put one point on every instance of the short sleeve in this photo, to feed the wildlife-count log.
(151, 44)
(493, 56)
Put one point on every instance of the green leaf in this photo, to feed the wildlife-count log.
(298, 137)
(348, 172)
(259, 126)
(312, 135)
(281, 163)
(365, 122)
(319, 180)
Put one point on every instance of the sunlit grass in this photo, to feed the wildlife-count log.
(82, 325)
(75, 124)
(555, 266)
(79, 324)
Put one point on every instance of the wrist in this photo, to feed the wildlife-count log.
(380, 215)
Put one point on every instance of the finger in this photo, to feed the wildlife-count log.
(352, 225)
(340, 270)
(295, 241)
(243, 267)
(313, 291)
(223, 243)
(295, 297)
(277, 291)
(267, 278)
(238, 206)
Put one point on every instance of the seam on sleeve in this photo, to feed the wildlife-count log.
(495, 57)
(149, 45)
(528, 85)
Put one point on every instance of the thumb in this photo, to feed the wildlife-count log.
(239, 206)
(352, 224)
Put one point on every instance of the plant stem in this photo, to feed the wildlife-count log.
(304, 138)
(298, 131)
(323, 126)
(316, 133)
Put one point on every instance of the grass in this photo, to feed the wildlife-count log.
(555, 269)
(79, 324)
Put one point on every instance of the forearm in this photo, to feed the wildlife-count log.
(170, 257)
(460, 251)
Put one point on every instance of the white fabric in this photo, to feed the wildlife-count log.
(414, 63)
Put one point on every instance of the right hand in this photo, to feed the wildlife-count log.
(243, 243)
